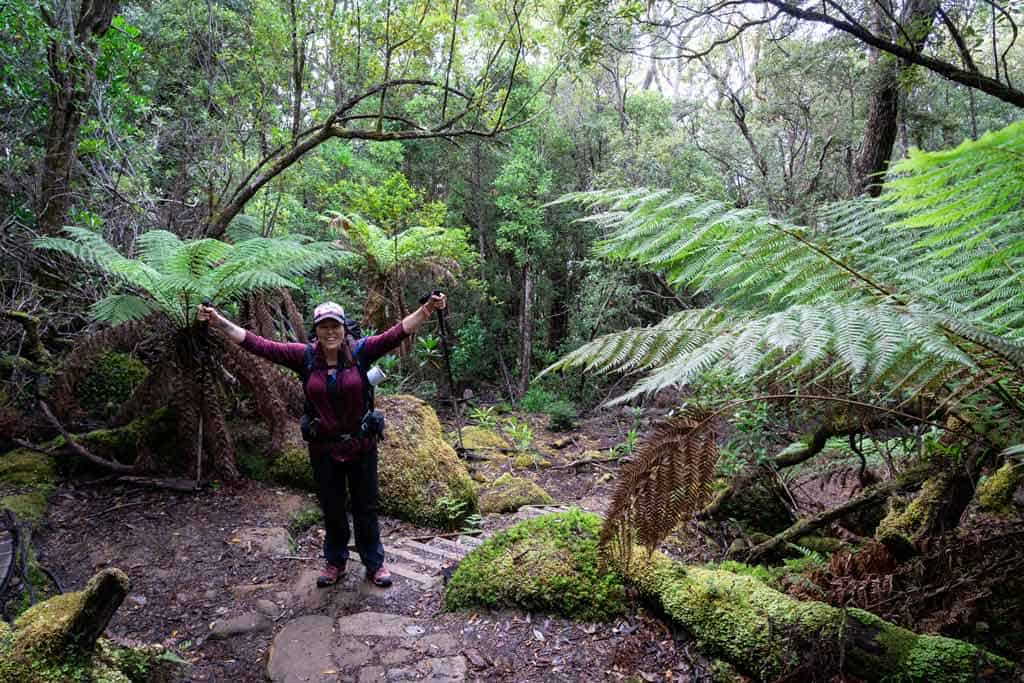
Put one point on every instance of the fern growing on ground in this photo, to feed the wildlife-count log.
(154, 306)
(915, 297)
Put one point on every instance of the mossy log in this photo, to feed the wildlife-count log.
(767, 634)
(70, 624)
(906, 523)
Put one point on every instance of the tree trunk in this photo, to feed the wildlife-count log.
(769, 635)
(72, 74)
(883, 107)
(525, 330)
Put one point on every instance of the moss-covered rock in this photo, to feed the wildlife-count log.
(421, 478)
(508, 493)
(58, 641)
(27, 480)
(769, 635)
(292, 468)
(995, 492)
(109, 382)
(549, 563)
(529, 460)
(488, 442)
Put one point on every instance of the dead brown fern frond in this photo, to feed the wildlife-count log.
(666, 483)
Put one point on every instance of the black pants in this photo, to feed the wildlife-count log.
(336, 483)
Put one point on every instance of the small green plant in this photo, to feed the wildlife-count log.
(428, 351)
(305, 517)
(520, 433)
(561, 415)
(453, 512)
(537, 400)
(484, 417)
(471, 523)
(628, 445)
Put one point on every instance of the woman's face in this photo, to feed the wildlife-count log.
(330, 333)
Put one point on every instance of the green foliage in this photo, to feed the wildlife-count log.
(307, 516)
(549, 564)
(537, 400)
(483, 416)
(520, 433)
(561, 415)
(110, 382)
(875, 301)
(173, 277)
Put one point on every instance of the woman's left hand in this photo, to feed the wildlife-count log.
(436, 302)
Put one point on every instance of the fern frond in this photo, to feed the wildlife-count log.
(119, 308)
(667, 481)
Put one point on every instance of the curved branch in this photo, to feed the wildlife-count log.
(975, 80)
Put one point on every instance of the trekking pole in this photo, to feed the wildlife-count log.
(442, 328)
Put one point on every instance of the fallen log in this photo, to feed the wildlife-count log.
(767, 635)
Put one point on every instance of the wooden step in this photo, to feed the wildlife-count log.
(418, 559)
(432, 549)
(471, 541)
(454, 547)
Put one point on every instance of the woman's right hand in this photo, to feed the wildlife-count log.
(209, 314)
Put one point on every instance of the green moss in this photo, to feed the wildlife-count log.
(529, 460)
(902, 526)
(418, 469)
(767, 634)
(508, 493)
(22, 467)
(292, 468)
(483, 439)
(109, 383)
(549, 564)
(27, 480)
(995, 492)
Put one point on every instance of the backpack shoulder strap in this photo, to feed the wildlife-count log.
(361, 366)
(307, 363)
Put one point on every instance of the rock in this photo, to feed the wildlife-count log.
(304, 591)
(353, 654)
(372, 674)
(246, 590)
(559, 444)
(447, 668)
(489, 443)
(397, 656)
(211, 594)
(268, 609)
(376, 624)
(475, 658)
(421, 478)
(249, 622)
(266, 542)
(438, 643)
(72, 622)
(508, 493)
(301, 651)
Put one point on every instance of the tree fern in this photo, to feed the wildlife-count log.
(173, 276)
(919, 293)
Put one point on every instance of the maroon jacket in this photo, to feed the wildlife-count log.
(345, 417)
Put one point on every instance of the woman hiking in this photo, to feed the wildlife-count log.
(343, 458)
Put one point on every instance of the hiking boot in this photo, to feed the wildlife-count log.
(330, 574)
(380, 577)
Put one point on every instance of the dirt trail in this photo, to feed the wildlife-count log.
(216, 577)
